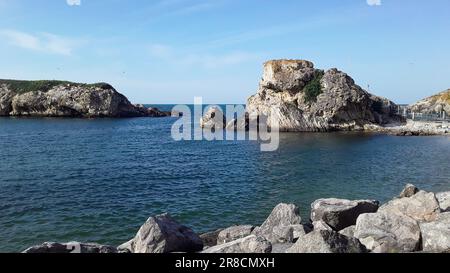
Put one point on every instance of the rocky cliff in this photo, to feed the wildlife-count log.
(306, 99)
(66, 99)
(434, 104)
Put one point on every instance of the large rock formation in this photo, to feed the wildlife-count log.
(66, 99)
(433, 105)
(303, 98)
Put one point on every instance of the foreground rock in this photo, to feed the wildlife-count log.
(303, 98)
(444, 201)
(233, 233)
(210, 238)
(341, 213)
(422, 206)
(436, 235)
(66, 99)
(73, 247)
(323, 241)
(162, 234)
(280, 225)
(249, 244)
(385, 232)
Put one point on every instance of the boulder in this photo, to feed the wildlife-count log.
(281, 247)
(324, 241)
(233, 233)
(249, 244)
(162, 234)
(444, 201)
(210, 238)
(408, 191)
(349, 231)
(436, 234)
(422, 206)
(340, 213)
(321, 225)
(72, 247)
(214, 118)
(278, 226)
(384, 232)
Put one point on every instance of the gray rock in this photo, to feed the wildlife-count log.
(162, 234)
(340, 105)
(321, 225)
(69, 100)
(422, 206)
(233, 233)
(323, 241)
(210, 238)
(213, 118)
(384, 232)
(436, 235)
(444, 201)
(281, 247)
(340, 213)
(349, 231)
(277, 227)
(408, 191)
(250, 244)
(72, 247)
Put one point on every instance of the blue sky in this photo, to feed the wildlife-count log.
(168, 51)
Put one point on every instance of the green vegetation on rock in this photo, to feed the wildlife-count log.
(44, 86)
(314, 87)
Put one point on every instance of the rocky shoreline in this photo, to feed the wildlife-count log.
(415, 221)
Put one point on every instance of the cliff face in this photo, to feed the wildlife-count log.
(433, 104)
(306, 99)
(64, 99)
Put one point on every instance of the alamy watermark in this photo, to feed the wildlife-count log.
(228, 123)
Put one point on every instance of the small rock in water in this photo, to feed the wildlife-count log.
(409, 191)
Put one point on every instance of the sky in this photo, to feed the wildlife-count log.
(170, 51)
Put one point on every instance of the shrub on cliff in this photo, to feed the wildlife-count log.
(313, 88)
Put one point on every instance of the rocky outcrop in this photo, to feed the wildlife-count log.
(323, 241)
(340, 213)
(66, 99)
(249, 244)
(436, 235)
(303, 98)
(162, 234)
(280, 225)
(433, 105)
(72, 247)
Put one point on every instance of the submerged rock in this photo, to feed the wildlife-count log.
(385, 232)
(249, 244)
(303, 98)
(422, 206)
(162, 234)
(436, 234)
(278, 227)
(234, 233)
(324, 241)
(340, 213)
(72, 247)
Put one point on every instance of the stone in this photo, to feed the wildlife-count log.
(324, 241)
(341, 213)
(213, 118)
(321, 225)
(444, 201)
(210, 238)
(422, 206)
(277, 227)
(62, 99)
(304, 99)
(436, 234)
(385, 232)
(249, 244)
(408, 191)
(72, 247)
(348, 231)
(233, 233)
(435, 104)
(281, 247)
(162, 234)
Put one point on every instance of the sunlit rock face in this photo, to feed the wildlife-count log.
(302, 98)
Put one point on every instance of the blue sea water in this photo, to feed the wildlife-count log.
(98, 180)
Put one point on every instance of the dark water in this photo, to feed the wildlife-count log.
(99, 180)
